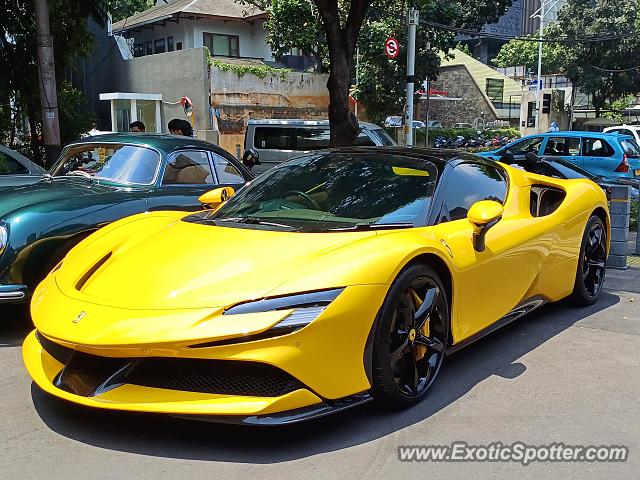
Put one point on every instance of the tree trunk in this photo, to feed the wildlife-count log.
(341, 41)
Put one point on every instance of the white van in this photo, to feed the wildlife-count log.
(277, 141)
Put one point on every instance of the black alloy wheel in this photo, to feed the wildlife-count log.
(411, 337)
(592, 263)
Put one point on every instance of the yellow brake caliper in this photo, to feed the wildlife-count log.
(420, 350)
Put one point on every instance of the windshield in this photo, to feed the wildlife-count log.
(130, 164)
(334, 191)
(630, 148)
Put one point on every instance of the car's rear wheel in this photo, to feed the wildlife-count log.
(411, 334)
(591, 265)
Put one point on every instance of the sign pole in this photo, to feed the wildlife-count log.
(412, 23)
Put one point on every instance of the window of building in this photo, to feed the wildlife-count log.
(179, 46)
(149, 48)
(160, 45)
(188, 168)
(169, 44)
(532, 112)
(138, 50)
(469, 183)
(495, 89)
(222, 45)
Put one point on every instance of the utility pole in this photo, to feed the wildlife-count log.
(412, 25)
(48, 92)
(539, 79)
(427, 85)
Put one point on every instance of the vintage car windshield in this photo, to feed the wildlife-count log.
(333, 191)
(129, 164)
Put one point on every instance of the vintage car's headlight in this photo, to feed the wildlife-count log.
(4, 238)
(306, 307)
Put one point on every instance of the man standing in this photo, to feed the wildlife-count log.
(137, 127)
(178, 126)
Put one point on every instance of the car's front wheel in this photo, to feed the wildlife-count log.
(410, 339)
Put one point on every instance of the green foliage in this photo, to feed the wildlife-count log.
(381, 81)
(618, 107)
(19, 83)
(120, 9)
(605, 70)
(260, 71)
(73, 119)
(525, 53)
(453, 133)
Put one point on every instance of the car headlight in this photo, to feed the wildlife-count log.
(4, 238)
(305, 308)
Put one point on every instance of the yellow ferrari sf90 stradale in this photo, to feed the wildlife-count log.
(333, 279)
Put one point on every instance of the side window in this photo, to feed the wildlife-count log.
(312, 138)
(562, 146)
(226, 171)
(469, 183)
(188, 168)
(596, 147)
(363, 140)
(277, 138)
(9, 166)
(526, 145)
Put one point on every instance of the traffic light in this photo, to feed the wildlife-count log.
(546, 103)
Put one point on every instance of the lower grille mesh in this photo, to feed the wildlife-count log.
(224, 377)
(213, 376)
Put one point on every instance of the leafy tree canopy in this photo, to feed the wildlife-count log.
(381, 82)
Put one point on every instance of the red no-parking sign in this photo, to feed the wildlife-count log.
(391, 47)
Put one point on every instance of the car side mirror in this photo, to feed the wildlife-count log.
(214, 198)
(483, 215)
(250, 158)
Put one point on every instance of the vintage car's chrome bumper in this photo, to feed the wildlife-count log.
(13, 293)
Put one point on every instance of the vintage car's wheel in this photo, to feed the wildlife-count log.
(591, 265)
(410, 337)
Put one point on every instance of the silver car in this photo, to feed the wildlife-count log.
(16, 169)
(277, 141)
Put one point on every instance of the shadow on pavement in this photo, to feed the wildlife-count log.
(165, 436)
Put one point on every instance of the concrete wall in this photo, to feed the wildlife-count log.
(173, 74)
(237, 99)
(190, 32)
(457, 81)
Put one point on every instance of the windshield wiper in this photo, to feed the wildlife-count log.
(371, 226)
(254, 221)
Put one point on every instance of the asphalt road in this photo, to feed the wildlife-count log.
(561, 375)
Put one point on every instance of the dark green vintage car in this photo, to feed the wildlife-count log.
(96, 181)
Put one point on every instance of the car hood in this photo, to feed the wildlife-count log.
(56, 194)
(157, 262)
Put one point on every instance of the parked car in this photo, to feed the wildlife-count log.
(277, 141)
(16, 169)
(632, 130)
(418, 124)
(341, 277)
(602, 154)
(393, 121)
(96, 181)
(462, 125)
(434, 124)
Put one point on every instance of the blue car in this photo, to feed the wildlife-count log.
(603, 154)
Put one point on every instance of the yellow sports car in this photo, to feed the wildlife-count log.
(331, 280)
